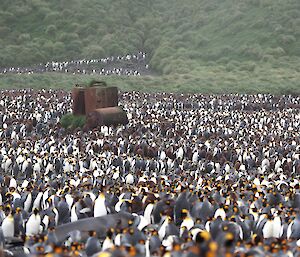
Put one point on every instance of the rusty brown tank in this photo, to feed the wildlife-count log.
(106, 116)
(100, 97)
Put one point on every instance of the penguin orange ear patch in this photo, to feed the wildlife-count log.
(184, 211)
(213, 246)
(229, 236)
(205, 235)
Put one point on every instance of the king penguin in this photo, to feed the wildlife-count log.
(293, 231)
(100, 208)
(33, 223)
(8, 225)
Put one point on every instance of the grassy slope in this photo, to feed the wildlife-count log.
(207, 81)
(197, 46)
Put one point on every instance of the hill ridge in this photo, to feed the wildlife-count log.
(211, 42)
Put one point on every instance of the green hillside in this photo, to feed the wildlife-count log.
(228, 42)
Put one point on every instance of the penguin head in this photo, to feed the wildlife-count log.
(42, 238)
(269, 216)
(130, 222)
(232, 218)
(39, 249)
(176, 247)
(184, 213)
(142, 241)
(168, 202)
(229, 240)
(225, 228)
(256, 239)
(76, 246)
(9, 194)
(275, 248)
(36, 211)
(92, 233)
(198, 221)
(7, 209)
(203, 236)
(51, 229)
(132, 251)
(212, 249)
(226, 207)
(110, 233)
(131, 231)
(65, 190)
(254, 209)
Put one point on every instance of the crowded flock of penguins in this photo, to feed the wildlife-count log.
(190, 175)
(126, 65)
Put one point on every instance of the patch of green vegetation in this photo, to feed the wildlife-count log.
(70, 121)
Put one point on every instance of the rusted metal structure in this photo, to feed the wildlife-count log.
(78, 95)
(99, 103)
(106, 116)
(100, 97)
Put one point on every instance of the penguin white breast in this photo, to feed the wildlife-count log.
(12, 183)
(129, 179)
(33, 225)
(107, 244)
(27, 203)
(37, 201)
(118, 205)
(143, 223)
(220, 213)
(69, 200)
(118, 239)
(8, 226)
(188, 223)
(100, 207)
(148, 212)
(74, 216)
(162, 229)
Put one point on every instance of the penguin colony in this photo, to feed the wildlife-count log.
(190, 175)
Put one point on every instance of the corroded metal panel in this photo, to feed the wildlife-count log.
(106, 116)
(78, 101)
(111, 96)
(100, 97)
(90, 99)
